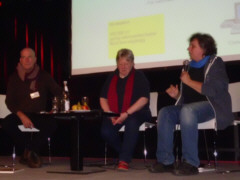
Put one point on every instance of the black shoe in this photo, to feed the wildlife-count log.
(34, 161)
(185, 169)
(161, 168)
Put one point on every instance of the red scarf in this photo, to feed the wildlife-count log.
(112, 93)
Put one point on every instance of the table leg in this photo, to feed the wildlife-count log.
(76, 159)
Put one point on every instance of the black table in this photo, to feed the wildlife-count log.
(77, 118)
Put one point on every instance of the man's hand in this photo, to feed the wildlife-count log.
(185, 77)
(27, 123)
(173, 91)
(123, 116)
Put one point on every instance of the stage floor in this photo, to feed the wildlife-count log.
(59, 169)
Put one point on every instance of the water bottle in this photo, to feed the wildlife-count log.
(65, 98)
(55, 105)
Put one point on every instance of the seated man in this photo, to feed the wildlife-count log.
(27, 93)
(203, 95)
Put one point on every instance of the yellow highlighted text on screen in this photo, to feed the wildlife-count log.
(143, 35)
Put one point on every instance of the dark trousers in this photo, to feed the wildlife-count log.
(30, 140)
(124, 147)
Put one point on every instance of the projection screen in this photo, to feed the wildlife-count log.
(157, 31)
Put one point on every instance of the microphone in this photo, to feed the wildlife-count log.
(185, 65)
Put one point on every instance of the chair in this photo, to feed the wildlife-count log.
(144, 126)
(4, 111)
(147, 125)
(234, 90)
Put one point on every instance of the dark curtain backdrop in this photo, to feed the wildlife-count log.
(43, 25)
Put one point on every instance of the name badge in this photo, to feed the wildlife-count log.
(35, 95)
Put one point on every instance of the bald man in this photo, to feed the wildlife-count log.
(27, 93)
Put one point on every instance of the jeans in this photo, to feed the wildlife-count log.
(125, 147)
(188, 116)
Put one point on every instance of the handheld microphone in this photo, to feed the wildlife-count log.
(185, 65)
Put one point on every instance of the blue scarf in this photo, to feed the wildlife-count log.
(200, 63)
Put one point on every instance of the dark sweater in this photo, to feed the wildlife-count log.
(141, 88)
(18, 93)
(215, 88)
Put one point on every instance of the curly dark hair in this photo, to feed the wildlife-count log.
(206, 42)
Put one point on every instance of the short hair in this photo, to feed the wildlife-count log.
(206, 42)
(28, 49)
(125, 53)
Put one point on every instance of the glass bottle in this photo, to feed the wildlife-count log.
(55, 104)
(85, 105)
(65, 98)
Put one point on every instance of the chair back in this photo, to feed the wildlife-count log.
(234, 90)
(4, 111)
(153, 103)
(153, 109)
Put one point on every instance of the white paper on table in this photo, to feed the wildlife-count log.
(23, 129)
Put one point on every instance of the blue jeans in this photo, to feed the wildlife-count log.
(188, 116)
(125, 147)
